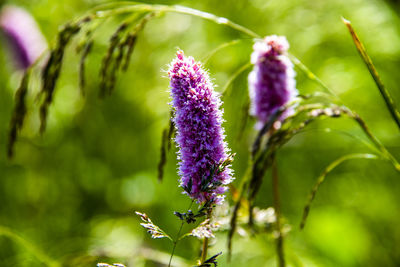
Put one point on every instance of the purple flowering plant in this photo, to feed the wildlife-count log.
(205, 169)
(200, 136)
(272, 82)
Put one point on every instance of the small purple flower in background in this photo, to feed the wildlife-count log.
(271, 83)
(204, 163)
(23, 36)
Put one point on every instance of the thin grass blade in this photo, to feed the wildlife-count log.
(226, 91)
(374, 73)
(323, 175)
(29, 246)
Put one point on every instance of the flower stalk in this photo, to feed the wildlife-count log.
(204, 250)
(178, 237)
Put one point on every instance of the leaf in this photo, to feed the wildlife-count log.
(188, 187)
(321, 179)
(154, 230)
(234, 76)
(209, 261)
(292, 125)
(310, 75)
(29, 247)
(372, 70)
(220, 47)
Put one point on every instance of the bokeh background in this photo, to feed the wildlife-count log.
(71, 194)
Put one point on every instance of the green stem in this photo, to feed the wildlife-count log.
(204, 250)
(383, 151)
(310, 75)
(176, 9)
(219, 48)
(321, 179)
(178, 238)
(277, 207)
(175, 243)
(242, 189)
(225, 89)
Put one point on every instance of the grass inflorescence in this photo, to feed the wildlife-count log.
(19, 112)
(51, 71)
(120, 51)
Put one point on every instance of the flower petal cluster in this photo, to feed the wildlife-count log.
(271, 82)
(200, 136)
(23, 35)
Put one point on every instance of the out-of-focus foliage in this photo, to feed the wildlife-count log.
(69, 196)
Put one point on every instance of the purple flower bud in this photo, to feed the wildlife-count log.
(200, 137)
(23, 35)
(271, 83)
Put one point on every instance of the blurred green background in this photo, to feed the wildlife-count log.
(72, 192)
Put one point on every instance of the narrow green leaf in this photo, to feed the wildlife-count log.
(219, 48)
(321, 179)
(226, 89)
(38, 253)
(310, 75)
(372, 70)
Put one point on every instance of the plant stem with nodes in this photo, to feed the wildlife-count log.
(178, 237)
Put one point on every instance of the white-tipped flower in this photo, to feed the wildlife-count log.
(271, 83)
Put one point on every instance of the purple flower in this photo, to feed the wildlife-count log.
(271, 83)
(200, 137)
(23, 35)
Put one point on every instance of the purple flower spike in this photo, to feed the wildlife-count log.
(271, 83)
(23, 34)
(204, 163)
